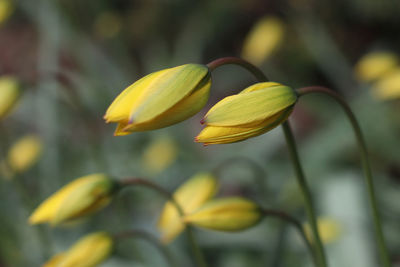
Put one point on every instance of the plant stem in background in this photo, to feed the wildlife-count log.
(147, 236)
(198, 255)
(365, 165)
(293, 152)
(296, 224)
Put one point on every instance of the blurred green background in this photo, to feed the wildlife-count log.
(73, 58)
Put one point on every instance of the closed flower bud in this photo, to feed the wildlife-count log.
(226, 214)
(254, 111)
(24, 153)
(9, 94)
(388, 86)
(374, 65)
(6, 9)
(81, 197)
(190, 196)
(329, 230)
(161, 99)
(89, 251)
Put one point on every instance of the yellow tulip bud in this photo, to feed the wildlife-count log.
(226, 214)
(6, 9)
(161, 99)
(160, 154)
(254, 111)
(328, 229)
(9, 94)
(388, 86)
(263, 38)
(81, 197)
(374, 65)
(190, 196)
(89, 251)
(24, 153)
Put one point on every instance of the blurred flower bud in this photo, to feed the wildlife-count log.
(226, 214)
(81, 197)
(9, 94)
(108, 24)
(24, 153)
(89, 251)
(262, 40)
(190, 196)
(160, 154)
(328, 229)
(6, 9)
(374, 65)
(254, 111)
(161, 99)
(388, 86)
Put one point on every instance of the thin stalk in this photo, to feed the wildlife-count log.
(383, 252)
(151, 239)
(291, 144)
(293, 221)
(293, 153)
(198, 255)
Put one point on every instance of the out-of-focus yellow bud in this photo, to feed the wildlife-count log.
(374, 65)
(108, 24)
(161, 99)
(9, 94)
(6, 9)
(328, 229)
(24, 153)
(226, 214)
(254, 111)
(160, 154)
(388, 87)
(190, 196)
(81, 197)
(263, 38)
(89, 251)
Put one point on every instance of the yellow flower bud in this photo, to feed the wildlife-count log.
(9, 94)
(190, 196)
(374, 65)
(263, 38)
(24, 153)
(89, 251)
(6, 9)
(388, 86)
(160, 154)
(328, 229)
(254, 111)
(161, 99)
(226, 214)
(81, 197)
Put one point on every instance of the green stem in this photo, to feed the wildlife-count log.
(198, 255)
(286, 217)
(147, 236)
(293, 152)
(305, 191)
(383, 252)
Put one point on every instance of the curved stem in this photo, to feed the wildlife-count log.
(198, 255)
(293, 152)
(305, 191)
(286, 217)
(147, 236)
(365, 165)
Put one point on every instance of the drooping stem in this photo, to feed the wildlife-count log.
(286, 217)
(293, 151)
(150, 238)
(198, 255)
(365, 165)
(305, 191)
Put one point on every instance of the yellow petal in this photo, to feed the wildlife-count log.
(226, 214)
(250, 108)
(189, 196)
(374, 65)
(328, 228)
(6, 9)
(9, 93)
(88, 251)
(263, 38)
(388, 87)
(54, 261)
(24, 153)
(160, 154)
